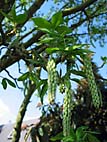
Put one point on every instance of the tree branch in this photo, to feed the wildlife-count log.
(78, 8)
(35, 6)
(21, 113)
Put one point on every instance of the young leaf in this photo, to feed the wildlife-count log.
(51, 50)
(24, 76)
(57, 19)
(11, 83)
(4, 83)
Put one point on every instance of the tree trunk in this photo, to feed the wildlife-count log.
(21, 114)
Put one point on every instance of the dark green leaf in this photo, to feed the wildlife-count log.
(57, 19)
(43, 91)
(59, 136)
(76, 80)
(24, 76)
(80, 132)
(92, 138)
(20, 19)
(80, 73)
(11, 83)
(13, 12)
(6, 15)
(4, 83)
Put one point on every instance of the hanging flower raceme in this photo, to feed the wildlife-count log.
(52, 80)
(67, 107)
(96, 95)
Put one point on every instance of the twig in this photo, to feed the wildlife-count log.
(15, 79)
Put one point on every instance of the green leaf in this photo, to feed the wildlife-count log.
(80, 132)
(76, 80)
(51, 50)
(56, 19)
(13, 12)
(63, 30)
(43, 91)
(41, 133)
(4, 83)
(6, 15)
(23, 77)
(80, 73)
(42, 23)
(11, 83)
(20, 19)
(34, 78)
(92, 138)
(46, 40)
(104, 59)
(78, 46)
(59, 136)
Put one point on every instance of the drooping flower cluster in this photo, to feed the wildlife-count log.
(96, 95)
(52, 80)
(67, 107)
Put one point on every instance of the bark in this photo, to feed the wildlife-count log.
(21, 114)
(78, 8)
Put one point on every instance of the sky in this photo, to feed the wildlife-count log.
(11, 98)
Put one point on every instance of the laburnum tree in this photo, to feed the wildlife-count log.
(46, 35)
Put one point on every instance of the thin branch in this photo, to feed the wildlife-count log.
(15, 79)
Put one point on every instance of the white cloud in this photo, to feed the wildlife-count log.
(5, 113)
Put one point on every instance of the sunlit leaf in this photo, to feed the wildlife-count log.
(46, 40)
(56, 19)
(51, 50)
(24, 76)
(42, 23)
